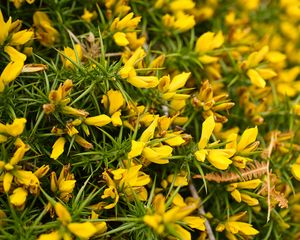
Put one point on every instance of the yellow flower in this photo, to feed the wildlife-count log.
(219, 158)
(45, 32)
(120, 39)
(98, 121)
(15, 129)
(58, 148)
(162, 218)
(64, 185)
(12, 69)
(128, 23)
(116, 119)
(62, 213)
(55, 235)
(18, 197)
(233, 226)
(174, 139)
(180, 5)
(72, 56)
(4, 28)
(207, 42)
(88, 16)
(82, 230)
(295, 169)
(136, 149)
(21, 37)
(157, 155)
(113, 101)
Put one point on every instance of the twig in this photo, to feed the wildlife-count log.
(201, 211)
(269, 192)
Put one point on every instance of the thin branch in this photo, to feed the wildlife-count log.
(201, 211)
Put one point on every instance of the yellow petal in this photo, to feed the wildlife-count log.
(177, 180)
(266, 73)
(98, 121)
(149, 132)
(113, 100)
(62, 213)
(219, 159)
(136, 149)
(120, 39)
(295, 169)
(275, 56)
(11, 71)
(203, 43)
(178, 81)
(21, 37)
(182, 233)
(153, 221)
(249, 200)
(236, 195)
(174, 139)
(82, 230)
(143, 81)
(58, 148)
(251, 184)
(18, 197)
(4, 28)
(195, 222)
(116, 119)
(245, 228)
(200, 155)
(206, 59)
(15, 56)
(67, 186)
(50, 236)
(207, 129)
(7, 180)
(157, 155)
(256, 79)
(248, 137)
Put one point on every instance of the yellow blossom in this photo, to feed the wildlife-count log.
(45, 31)
(87, 15)
(18, 197)
(120, 39)
(98, 121)
(113, 100)
(82, 230)
(58, 148)
(71, 56)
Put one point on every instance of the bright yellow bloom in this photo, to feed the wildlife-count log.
(82, 230)
(98, 121)
(88, 16)
(45, 32)
(62, 213)
(4, 28)
(120, 39)
(21, 37)
(295, 169)
(233, 226)
(136, 149)
(18, 197)
(157, 155)
(58, 148)
(128, 23)
(206, 43)
(162, 218)
(113, 100)
(219, 158)
(15, 129)
(72, 56)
